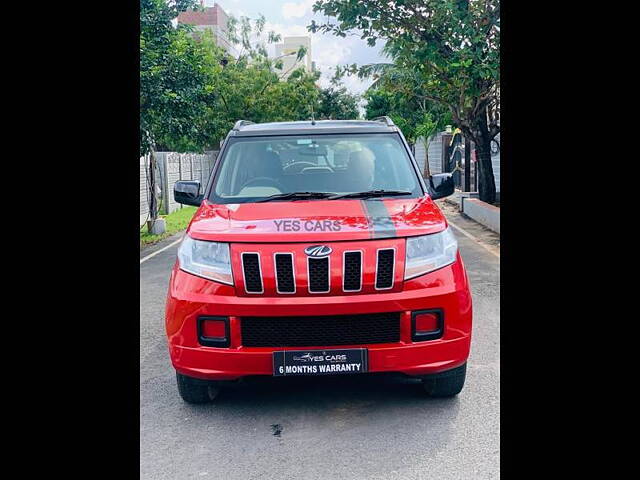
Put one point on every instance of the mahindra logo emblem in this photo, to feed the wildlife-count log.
(317, 251)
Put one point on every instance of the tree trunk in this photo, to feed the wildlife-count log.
(486, 181)
(427, 169)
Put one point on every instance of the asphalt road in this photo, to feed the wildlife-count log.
(343, 427)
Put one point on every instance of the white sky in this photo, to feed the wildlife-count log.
(291, 17)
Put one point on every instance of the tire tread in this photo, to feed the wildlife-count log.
(445, 384)
(193, 391)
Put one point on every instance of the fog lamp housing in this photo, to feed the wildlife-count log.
(427, 324)
(213, 331)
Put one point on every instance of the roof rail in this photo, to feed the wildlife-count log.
(384, 119)
(242, 123)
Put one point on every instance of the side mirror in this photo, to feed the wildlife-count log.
(187, 192)
(442, 185)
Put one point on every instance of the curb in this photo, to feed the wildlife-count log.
(149, 249)
(458, 197)
(452, 201)
(481, 212)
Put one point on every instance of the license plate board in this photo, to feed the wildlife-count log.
(319, 362)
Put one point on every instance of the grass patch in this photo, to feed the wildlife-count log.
(175, 222)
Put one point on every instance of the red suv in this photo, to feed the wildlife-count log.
(317, 249)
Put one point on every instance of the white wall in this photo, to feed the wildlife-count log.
(435, 153)
(171, 167)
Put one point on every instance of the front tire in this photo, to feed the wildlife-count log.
(445, 384)
(193, 390)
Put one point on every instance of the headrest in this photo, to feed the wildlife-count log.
(361, 161)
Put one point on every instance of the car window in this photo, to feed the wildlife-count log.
(257, 167)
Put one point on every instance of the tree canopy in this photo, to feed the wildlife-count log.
(192, 91)
(336, 103)
(175, 76)
(443, 51)
(416, 117)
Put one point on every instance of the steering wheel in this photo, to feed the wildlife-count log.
(270, 182)
(298, 166)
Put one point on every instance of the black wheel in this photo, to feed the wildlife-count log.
(445, 384)
(193, 390)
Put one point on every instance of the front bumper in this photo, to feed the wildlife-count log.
(190, 297)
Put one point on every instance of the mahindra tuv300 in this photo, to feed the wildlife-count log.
(317, 249)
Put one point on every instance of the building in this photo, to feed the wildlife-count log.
(213, 19)
(288, 49)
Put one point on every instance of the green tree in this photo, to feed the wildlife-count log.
(451, 47)
(336, 103)
(399, 95)
(192, 91)
(175, 78)
(417, 118)
(253, 85)
(426, 128)
(174, 83)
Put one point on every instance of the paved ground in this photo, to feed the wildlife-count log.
(324, 428)
(486, 236)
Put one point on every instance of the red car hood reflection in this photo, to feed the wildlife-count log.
(316, 220)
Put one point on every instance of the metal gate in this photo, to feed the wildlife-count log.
(458, 158)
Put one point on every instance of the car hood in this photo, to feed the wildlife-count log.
(316, 220)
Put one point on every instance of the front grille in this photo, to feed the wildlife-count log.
(320, 330)
(284, 273)
(252, 273)
(351, 268)
(318, 275)
(384, 272)
(352, 276)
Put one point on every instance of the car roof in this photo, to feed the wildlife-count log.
(244, 128)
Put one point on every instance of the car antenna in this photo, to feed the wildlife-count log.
(313, 120)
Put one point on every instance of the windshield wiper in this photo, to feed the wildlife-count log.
(296, 196)
(372, 193)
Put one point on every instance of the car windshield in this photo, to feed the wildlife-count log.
(291, 167)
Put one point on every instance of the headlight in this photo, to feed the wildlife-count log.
(206, 259)
(430, 252)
